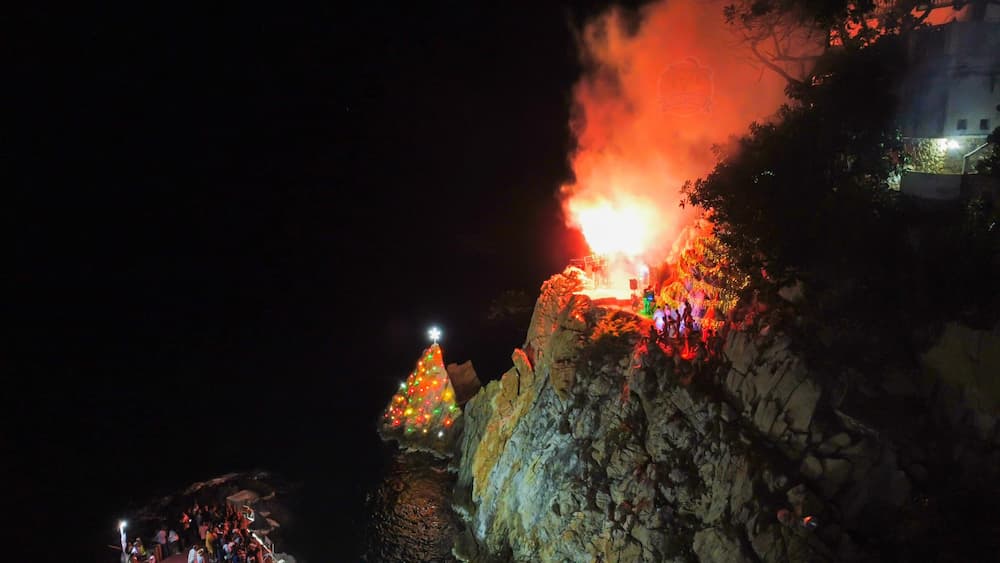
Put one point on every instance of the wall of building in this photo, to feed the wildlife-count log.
(931, 186)
(954, 75)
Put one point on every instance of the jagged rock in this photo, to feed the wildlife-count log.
(464, 380)
(585, 424)
(811, 467)
(804, 502)
(835, 473)
(801, 405)
(728, 413)
(794, 293)
(767, 543)
(560, 463)
(836, 470)
(835, 443)
(967, 359)
(815, 436)
(679, 434)
(563, 376)
(623, 550)
(855, 425)
(740, 351)
(863, 448)
(774, 482)
(602, 499)
(773, 542)
(678, 476)
(714, 546)
(766, 413)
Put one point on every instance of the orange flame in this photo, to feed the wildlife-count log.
(688, 353)
(623, 227)
(655, 98)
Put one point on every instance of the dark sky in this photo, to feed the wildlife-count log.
(203, 187)
(216, 206)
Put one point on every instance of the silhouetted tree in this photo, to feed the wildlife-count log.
(807, 197)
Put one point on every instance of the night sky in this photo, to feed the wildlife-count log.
(232, 227)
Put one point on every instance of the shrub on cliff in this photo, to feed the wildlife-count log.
(615, 335)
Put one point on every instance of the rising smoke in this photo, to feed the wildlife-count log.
(655, 97)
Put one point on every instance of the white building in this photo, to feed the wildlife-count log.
(950, 100)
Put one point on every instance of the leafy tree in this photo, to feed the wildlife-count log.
(794, 37)
(990, 165)
(806, 198)
(802, 197)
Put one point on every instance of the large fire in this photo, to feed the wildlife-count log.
(623, 227)
(658, 93)
(654, 100)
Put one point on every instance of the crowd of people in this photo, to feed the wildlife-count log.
(208, 534)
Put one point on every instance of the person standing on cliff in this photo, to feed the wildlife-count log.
(161, 538)
(659, 320)
(210, 544)
(173, 542)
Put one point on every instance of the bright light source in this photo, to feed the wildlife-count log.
(434, 333)
(615, 227)
(440, 433)
(121, 525)
(402, 385)
(952, 144)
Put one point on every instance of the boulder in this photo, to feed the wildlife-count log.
(464, 380)
(713, 545)
(811, 468)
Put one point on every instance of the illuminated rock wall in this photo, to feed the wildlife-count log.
(595, 450)
(586, 451)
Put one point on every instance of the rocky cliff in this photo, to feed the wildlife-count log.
(599, 446)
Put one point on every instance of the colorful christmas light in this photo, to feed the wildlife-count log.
(425, 402)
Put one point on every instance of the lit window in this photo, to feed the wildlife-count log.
(962, 125)
(984, 124)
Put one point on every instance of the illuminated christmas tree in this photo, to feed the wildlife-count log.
(701, 275)
(424, 407)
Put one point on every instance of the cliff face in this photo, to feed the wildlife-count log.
(593, 449)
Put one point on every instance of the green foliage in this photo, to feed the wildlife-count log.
(811, 189)
(807, 198)
(990, 165)
(615, 335)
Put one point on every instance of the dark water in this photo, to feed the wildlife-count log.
(387, 506)
(409, 512)
(357, 498)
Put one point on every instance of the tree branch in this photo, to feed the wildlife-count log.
(781, 72)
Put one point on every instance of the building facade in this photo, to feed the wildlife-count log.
(950, 101)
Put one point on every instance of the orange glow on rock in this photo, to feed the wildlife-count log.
(687, 353)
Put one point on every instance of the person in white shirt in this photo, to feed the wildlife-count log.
(172, 542)
(161, 539)
(193, 554)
